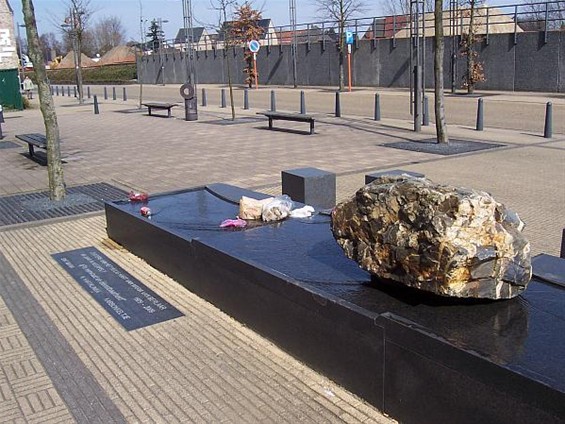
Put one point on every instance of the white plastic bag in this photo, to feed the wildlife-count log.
(304, 212)
(278, 209)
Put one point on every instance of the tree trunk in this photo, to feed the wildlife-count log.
(441, 126)
(470, 51)
(54, 163)
(341, 56)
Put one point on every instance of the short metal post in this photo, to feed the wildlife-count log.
(105, 93)
(62, 91)
(1, 121)
(204, 98)
(273, 101)
(426, 115)
(88, 91)
(223, 98)
(113, 93)
(96, 110)
(337, 104)
(302, 102)
(480, 112)
(75, 91)
(377, 107)
(548, 130)
(68, 91)
(246, 99)
(51, 89)
(57, 91)
(125, 94)
(562, 253)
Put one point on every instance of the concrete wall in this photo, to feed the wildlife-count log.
(8, 51)
(530, 64)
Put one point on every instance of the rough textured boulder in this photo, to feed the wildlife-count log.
(446, 240)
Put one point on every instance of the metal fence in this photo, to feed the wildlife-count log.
(512, 19)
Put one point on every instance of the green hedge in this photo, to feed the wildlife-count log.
(109, 74)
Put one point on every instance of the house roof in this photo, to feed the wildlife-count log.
(182, 34)
(69, 62)
(265, 24)
(9, 7)
(119, 54)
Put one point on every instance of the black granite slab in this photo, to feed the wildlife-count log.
(291, 282)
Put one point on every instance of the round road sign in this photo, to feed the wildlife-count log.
(187, 91)
(254, 46)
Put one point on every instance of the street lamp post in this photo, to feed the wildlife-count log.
(160, 23)
(21, 67)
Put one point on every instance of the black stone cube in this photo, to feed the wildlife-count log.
(310, 186)
(369, 178)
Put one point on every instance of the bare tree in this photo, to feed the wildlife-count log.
(550, 13)
(340, 11)
(108, 33)
(54, 163)
(74, 26)
(222, 7)
(439, 101)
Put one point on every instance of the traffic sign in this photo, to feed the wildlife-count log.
(254, 46)
(348, 37)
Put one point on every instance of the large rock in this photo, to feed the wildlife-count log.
(450, 241)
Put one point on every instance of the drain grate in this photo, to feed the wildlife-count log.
(455, 147)
(29, 207)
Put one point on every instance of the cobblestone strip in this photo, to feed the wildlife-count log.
(203, 367)
(47, 380)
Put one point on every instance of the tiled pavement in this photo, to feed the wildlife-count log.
(63, 359)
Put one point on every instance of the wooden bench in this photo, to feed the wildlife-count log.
(160, 105)
(33, 140)
(298, 117)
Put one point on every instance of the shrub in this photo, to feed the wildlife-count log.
(108, 74)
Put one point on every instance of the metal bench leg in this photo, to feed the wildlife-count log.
(149, 110)
(169, 113)
(311, 127)
(30, 148)
(270, 123)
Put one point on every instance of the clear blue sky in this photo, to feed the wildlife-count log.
(50, 12)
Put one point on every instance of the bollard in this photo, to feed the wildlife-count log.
(68, 91)
(377, 107)
(204, 98)
(223, 98)
(62, 91)
(96, 110)
(480, 112)
(337, 105)
(105, 93)
(246, 99)
(302, 102)
(75, 91)
(51, 90)
(125, 94)
(548, 130)
(113, 93)
(273, 101)
(426, 114)
(88, 91)
(57, 91)
(1, 121)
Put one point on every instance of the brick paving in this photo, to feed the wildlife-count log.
(64, 359)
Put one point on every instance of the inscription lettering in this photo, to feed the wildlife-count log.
(123, 296)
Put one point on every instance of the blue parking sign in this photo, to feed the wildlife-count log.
(348, 37)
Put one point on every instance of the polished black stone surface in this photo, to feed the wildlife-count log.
(514, 347)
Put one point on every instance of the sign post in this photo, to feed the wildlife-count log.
(349, 42)
(254, 47)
